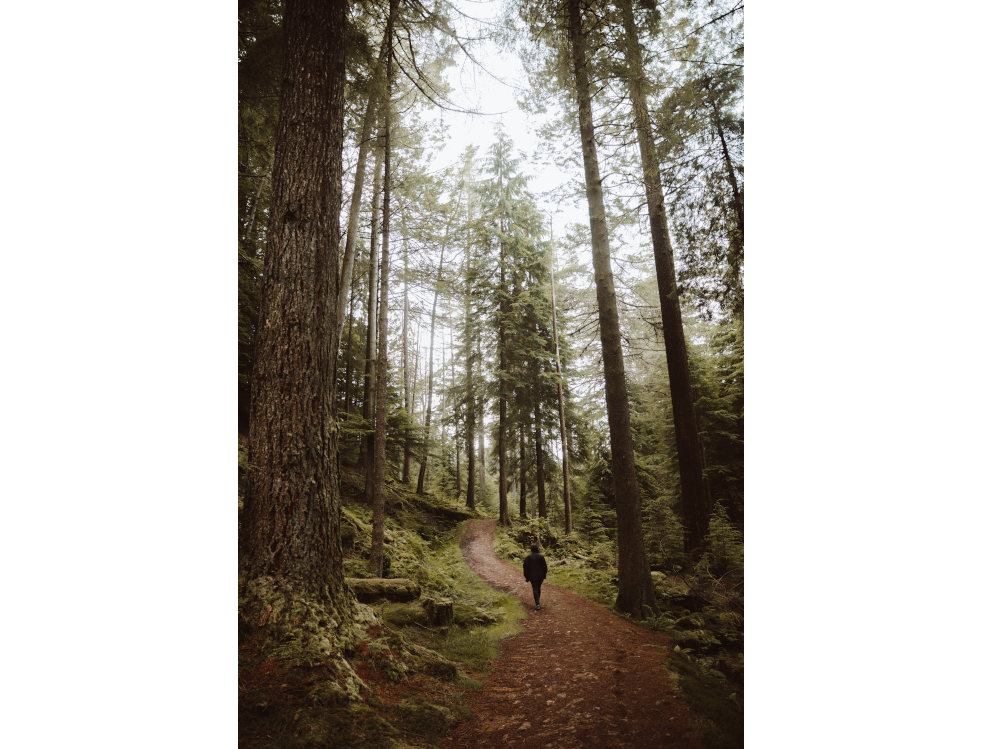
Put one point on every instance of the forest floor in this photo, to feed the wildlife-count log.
(578, 676)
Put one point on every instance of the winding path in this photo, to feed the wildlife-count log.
(578, 676)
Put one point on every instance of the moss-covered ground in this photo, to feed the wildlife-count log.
(415, 673)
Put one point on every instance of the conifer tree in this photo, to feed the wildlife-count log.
(694, 496)
(635, 586)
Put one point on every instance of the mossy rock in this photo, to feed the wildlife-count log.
(404, 614)
(422, 717)
(700, 640)
(474, 616)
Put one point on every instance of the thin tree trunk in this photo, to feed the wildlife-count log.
(406, 369)
(248, 236)
(411, 408)
(375, 561)
(368, 401)
(523, 481)
(430, 370)
(470, 399)
(567, 504)
(635, 586)
(543, 509)
(735, 241)
(365, 145)
(481, 428)
(457, 414)
(348, 389)
(290, 525)
(694, 499)
(731, 174)
(502, 355)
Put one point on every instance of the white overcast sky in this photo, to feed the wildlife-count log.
(493, 92)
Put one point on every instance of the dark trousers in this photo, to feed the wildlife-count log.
(536, 589)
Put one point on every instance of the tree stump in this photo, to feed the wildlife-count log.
(439, 611)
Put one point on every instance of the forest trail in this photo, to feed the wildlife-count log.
(578, 676)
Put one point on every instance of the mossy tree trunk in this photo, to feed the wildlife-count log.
(291, 560)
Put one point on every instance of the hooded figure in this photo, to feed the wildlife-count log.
(535, 570)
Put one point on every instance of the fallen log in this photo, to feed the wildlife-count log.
(369, 589)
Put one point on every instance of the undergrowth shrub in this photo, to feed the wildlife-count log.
(723, 545)
(664, 536)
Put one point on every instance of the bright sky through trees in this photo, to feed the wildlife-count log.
(491, 82)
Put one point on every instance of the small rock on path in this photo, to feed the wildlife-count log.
(578, 676)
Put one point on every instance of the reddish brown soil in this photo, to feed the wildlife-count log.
(578, 676)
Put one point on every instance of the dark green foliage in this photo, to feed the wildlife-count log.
(664, 535)
(724, 545)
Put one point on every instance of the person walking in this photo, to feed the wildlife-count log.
(535, 570)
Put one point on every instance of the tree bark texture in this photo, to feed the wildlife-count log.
(291, 521)
(694, 499)
(635, 586)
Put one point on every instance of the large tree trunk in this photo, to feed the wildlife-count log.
(375, 561)
(694, 498)
(291, 560)
(635, 586)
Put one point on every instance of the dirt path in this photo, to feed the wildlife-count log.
(577, 677)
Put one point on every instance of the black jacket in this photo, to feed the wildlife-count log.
(534, 567)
